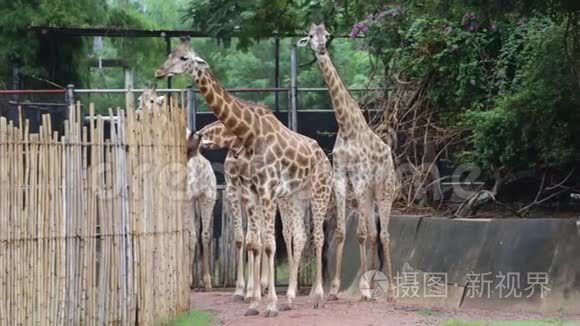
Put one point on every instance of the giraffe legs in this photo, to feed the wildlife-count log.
(269, 243)
(254, 253)
(236, 212)
(340, 188)
(206, 205)
(250, 286)
(372, 239)
(292, 210)
(365, 202)
(264, 272)
(285, 214)
(254, 249)
(192, 241)
(385, 202)
(298, 242)
(321, 193)
(319, 208)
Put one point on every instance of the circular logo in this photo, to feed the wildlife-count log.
(375, 283)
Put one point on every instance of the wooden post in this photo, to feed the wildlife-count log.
(69, 99)
(191, 109)
(129, 96)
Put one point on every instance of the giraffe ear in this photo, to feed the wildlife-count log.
(200, 62)
(160, 100)
(303, 41)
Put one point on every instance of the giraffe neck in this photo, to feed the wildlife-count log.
(217, 136)
(348, 114)
(226, 107)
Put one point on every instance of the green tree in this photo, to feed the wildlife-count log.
(56, 60)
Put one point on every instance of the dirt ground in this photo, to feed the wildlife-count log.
(350, 312)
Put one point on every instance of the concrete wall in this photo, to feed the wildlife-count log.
(476, 256)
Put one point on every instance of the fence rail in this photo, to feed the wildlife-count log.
(84, 238)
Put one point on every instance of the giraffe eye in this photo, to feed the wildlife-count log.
(183, 58)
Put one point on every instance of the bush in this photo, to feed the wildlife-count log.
(508, 82)
(535, 118)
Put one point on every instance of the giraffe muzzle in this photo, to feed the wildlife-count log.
(160, 74)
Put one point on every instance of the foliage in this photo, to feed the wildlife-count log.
(534, 123)
(254, 20)
(502, 71)
(424, 47)
(505, 72)
(253, 67)
(20, 45)
(506, 78)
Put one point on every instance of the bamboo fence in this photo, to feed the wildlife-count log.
(93, 223)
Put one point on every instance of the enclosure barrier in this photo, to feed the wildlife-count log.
(504, 264)
(93, 228)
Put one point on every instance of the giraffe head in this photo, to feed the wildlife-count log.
(216, 136)
(192, 144)
(149, 100)
(181, 60)
(318, 37)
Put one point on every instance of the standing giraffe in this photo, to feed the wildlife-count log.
(284, 165)
(238, 190)
(363, 164)
(201, 186)
(238, 185)
(237, 182)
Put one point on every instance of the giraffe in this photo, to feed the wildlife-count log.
(238, 184)
(201, 186)
(235, 167)
(286, 168)
(150, 101)
(238, 180)
(363, 168)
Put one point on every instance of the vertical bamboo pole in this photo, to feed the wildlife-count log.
(123, 227)
(132, 217)
(79, 216)
(86, 231)
(32, 222)
(5, 190)
(21, 223)
(40, 256)
(141, 222)
(102, 216)
(9, 226)
(111, 238)
(68, 230)
(55, 213)
(92, 219)
(61, 229)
